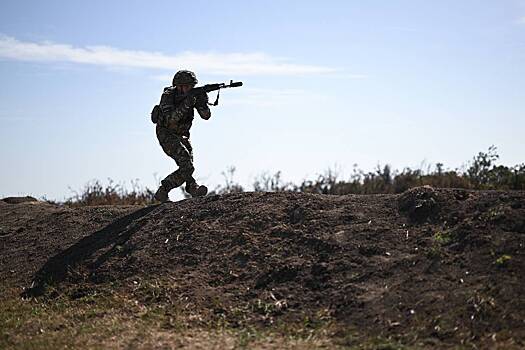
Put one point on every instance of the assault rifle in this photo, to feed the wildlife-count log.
(208, 88)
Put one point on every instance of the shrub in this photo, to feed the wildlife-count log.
(94, 193)
(482, 173)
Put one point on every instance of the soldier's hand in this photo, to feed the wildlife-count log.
(189, 101)
(201, 100)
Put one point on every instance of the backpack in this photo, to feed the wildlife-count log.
(166, 105)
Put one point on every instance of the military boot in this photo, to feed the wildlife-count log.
(196, 190)
(162, 194)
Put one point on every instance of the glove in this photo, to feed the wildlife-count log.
(201, 100)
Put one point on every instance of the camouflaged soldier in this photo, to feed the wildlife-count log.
(174, 116)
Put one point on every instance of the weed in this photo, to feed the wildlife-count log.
(434, 253)
(95, 193)
(503, 260)
(482, 173)
(444, 237)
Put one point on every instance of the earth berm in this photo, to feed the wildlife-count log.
(429, 268)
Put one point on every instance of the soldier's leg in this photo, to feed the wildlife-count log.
(172, 145)
(179, 176)
(189, 176)
(191, 185)
(177, 150)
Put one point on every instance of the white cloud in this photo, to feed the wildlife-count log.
(521, 20)
(207, 63)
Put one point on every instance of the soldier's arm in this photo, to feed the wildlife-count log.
(201, 105)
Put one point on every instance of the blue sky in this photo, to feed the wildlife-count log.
(327, 84)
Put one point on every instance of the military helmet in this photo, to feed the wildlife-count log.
(184, 77)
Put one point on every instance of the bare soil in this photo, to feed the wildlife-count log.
(430, 268)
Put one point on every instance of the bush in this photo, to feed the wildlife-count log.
(482, 173)
(94, 193)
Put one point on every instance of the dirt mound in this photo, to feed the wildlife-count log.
(18, 200)
(444, 265)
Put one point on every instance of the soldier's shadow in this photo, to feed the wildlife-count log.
(55, 270)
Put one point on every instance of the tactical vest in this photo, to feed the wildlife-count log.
(167, 100)
(166, 105)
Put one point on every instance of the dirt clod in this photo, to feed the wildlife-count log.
(420, 203)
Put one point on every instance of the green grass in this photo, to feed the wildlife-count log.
(443, 237)
(104, 318)
(503, 260)
(147, 315)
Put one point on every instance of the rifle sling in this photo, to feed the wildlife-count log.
(216, 103)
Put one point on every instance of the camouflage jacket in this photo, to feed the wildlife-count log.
(179, 116)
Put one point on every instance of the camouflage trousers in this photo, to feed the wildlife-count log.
(179, 148)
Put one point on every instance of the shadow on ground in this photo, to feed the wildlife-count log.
(55, 270)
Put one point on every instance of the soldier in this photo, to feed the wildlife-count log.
(174, 117)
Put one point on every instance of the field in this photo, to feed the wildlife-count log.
(425, 269)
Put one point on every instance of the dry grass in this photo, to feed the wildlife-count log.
(482, 173)
(117, 320)
(95, 193)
